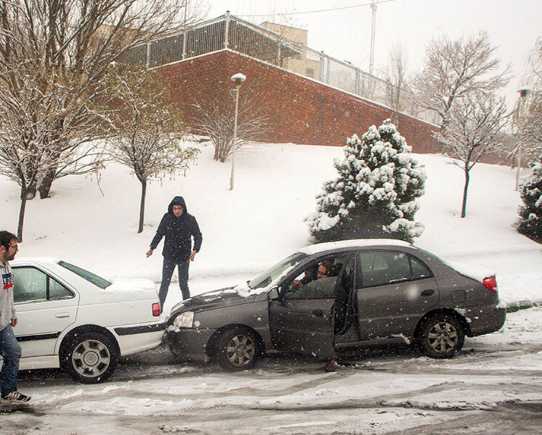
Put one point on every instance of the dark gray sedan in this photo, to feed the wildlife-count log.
(333, 299)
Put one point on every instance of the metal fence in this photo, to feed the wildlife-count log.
(274, 47)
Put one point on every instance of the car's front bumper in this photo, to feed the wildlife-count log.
(190, 344)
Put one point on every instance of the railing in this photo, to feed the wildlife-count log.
(274, 47)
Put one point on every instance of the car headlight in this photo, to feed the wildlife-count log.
(184, 320)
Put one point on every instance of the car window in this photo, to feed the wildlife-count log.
(57, 291)
(387, 267)
(308, 284)
(318, 289)
(31, 284)
(89, 276)
(419, 269)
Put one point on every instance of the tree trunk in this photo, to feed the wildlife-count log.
(29, 192)
(22, 210)
(442, 145)
(46, 183)
(397, 107)
(465, 191)
(142, 206)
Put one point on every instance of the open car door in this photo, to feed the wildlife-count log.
(302, 319)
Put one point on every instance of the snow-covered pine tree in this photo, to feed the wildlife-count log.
(530, 213)
(375, 192)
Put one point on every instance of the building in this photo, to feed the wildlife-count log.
(301, 95)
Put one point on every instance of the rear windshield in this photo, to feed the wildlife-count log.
(89, 276)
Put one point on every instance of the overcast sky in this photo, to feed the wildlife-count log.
(342, 28)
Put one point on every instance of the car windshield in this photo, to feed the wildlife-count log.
(89, 276)
(278, 270)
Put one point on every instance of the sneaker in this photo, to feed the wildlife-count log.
(15, 397)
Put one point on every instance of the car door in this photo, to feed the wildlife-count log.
(45, 308)
(395, 290)
(301, 320)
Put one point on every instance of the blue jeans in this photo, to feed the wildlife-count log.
(10, 349)
(167, 272)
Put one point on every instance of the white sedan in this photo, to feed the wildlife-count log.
(76, 320)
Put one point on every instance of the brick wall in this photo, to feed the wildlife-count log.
(299, 110)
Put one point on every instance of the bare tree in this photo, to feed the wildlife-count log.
(528, 122)
(216, 116)
(474, 130)
(454, 69)
(52, 57)
(29, 138)
(22, 157)
(528, 116)
(528, 111)
(398, 61)
(536, 60)
(146, 130)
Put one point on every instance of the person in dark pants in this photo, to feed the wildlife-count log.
(178, 227)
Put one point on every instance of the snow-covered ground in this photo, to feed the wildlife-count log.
(245, 230)
(261, 220)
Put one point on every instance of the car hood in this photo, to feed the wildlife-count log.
(222, 298)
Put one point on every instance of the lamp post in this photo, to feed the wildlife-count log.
(523, 91)
(373, 28)
(238, 79)
(185, 33)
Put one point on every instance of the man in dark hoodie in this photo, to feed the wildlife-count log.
(178, 227)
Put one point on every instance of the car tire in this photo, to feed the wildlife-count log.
(90, 357)
(441, 336)
(237, 349)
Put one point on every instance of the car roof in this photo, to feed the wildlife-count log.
(352, 244)
(34, 260)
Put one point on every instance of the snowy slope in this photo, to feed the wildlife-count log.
(246, 229)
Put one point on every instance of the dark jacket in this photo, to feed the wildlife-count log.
(178, 232)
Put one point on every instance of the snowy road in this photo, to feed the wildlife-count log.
(493, 387)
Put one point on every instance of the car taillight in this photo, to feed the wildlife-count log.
(491, 283)
(156, 311)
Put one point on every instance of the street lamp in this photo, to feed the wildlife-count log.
(238, 79)
(523, 92)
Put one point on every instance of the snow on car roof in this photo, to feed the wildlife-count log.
(25, 260)
(357, 243)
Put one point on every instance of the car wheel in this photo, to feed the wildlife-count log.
(237, 349)
(90, 357)
(441, 336)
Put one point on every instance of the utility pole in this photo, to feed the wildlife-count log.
(185, 32)
(373, 31)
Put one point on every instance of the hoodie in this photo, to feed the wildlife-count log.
(7, 307)
(178, 233)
